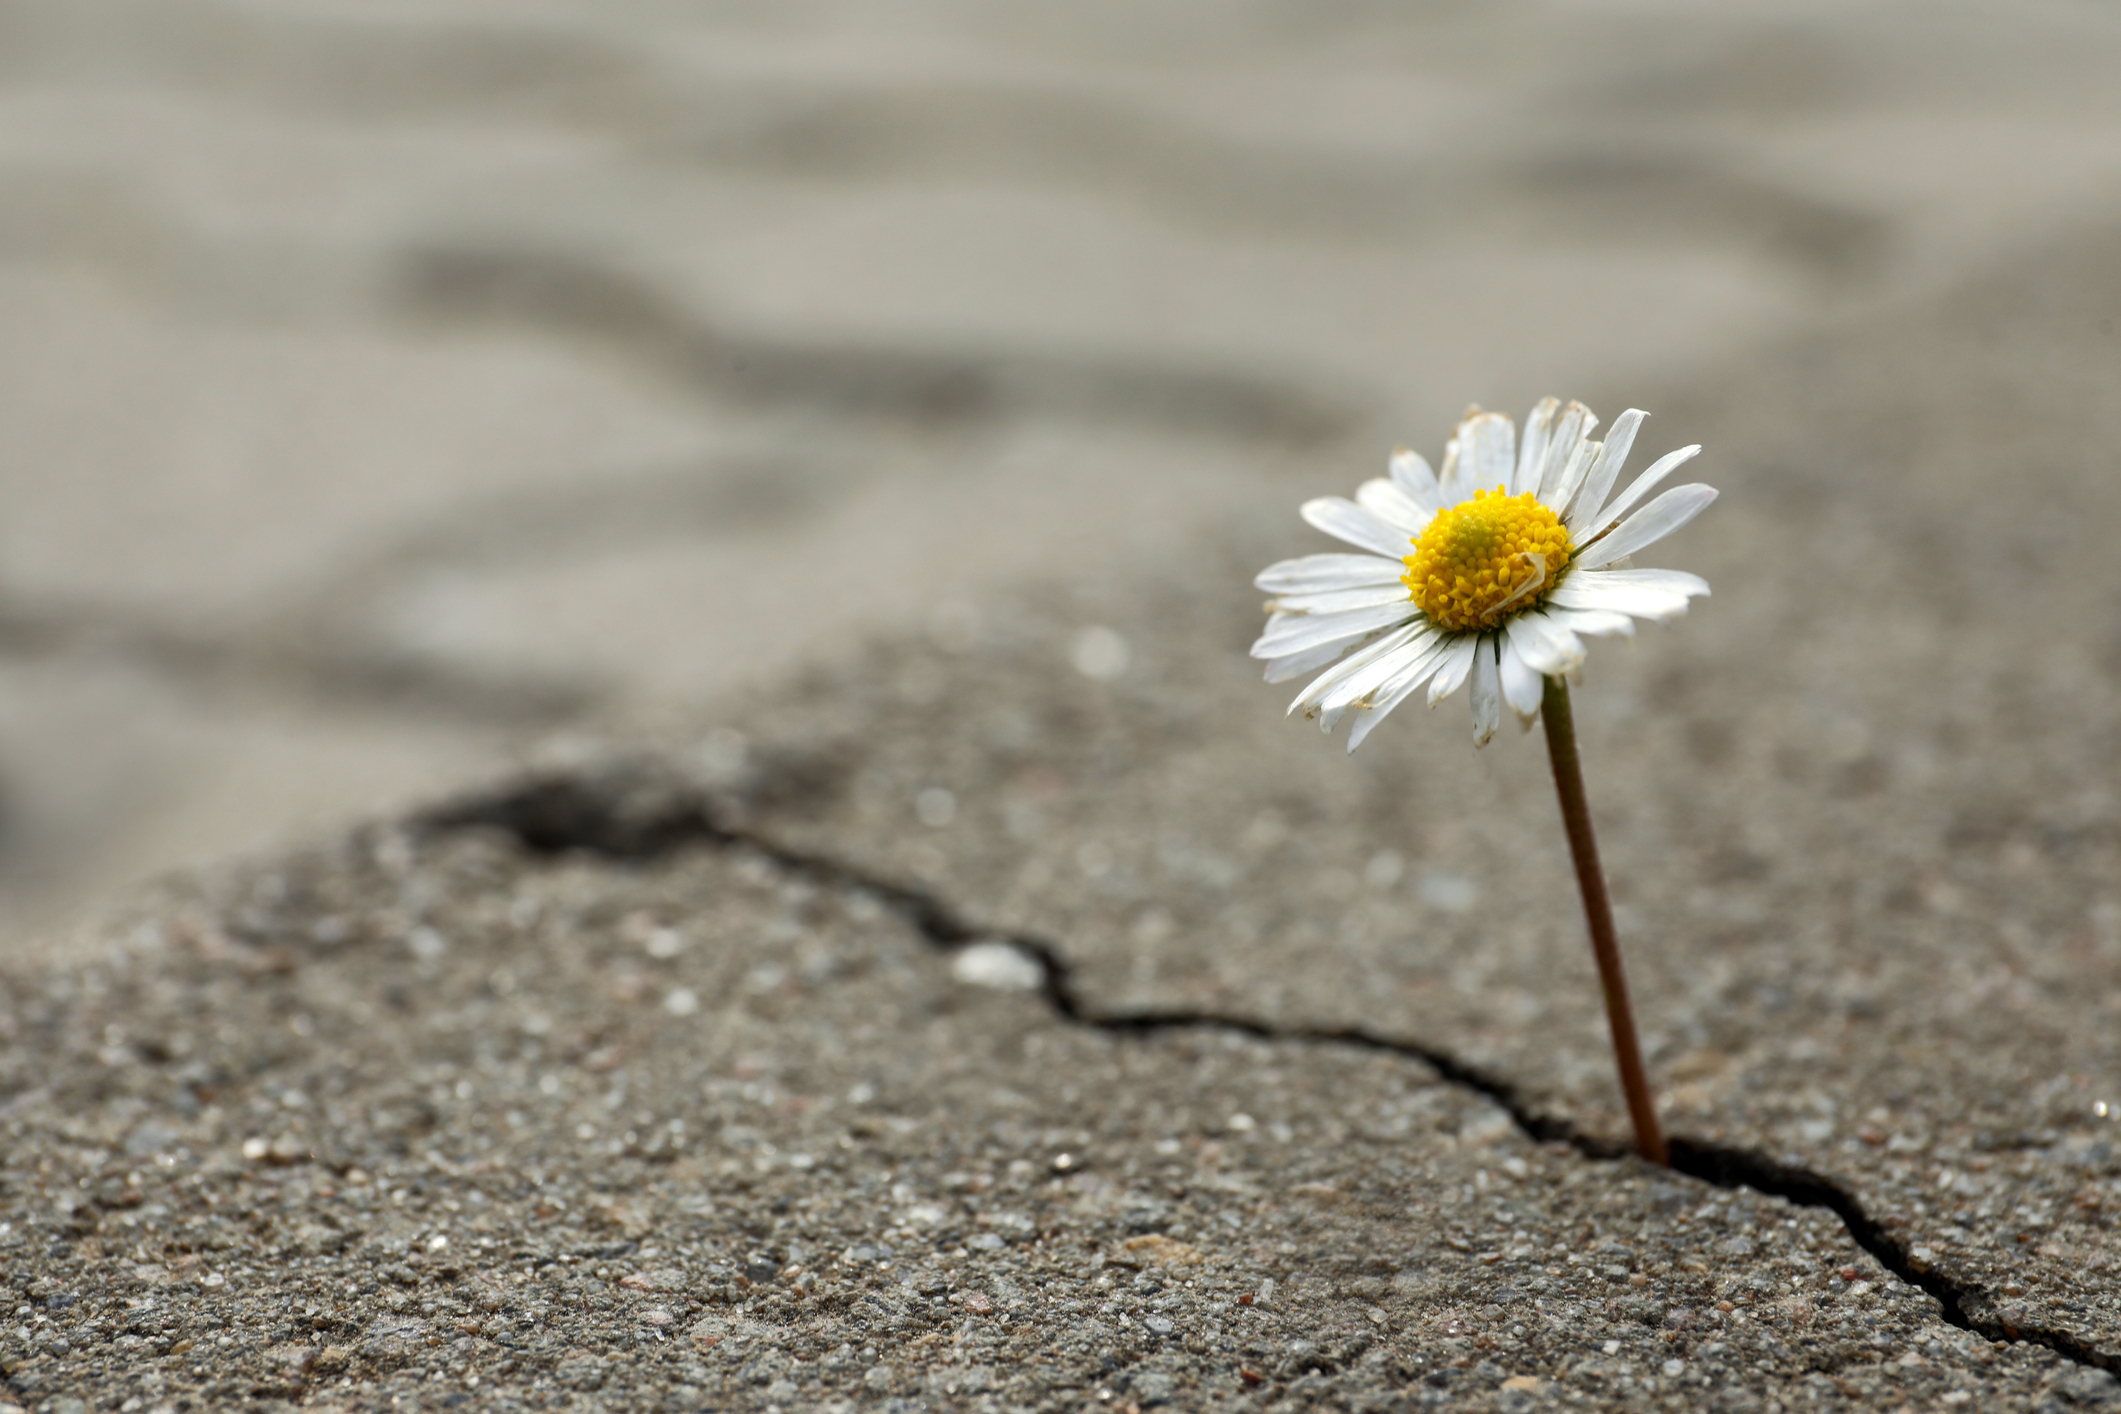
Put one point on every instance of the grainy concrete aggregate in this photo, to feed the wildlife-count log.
(433, 1123)
(1858, 809)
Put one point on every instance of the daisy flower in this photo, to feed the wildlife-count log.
(1492, 575)
(1489, 575)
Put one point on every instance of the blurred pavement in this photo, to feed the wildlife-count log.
(386, 390)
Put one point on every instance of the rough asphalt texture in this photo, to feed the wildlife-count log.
(439, 1124)
(992, 1023)
(1859, 809)
(1018, 1013)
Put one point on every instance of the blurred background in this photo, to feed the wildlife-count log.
(387, 389)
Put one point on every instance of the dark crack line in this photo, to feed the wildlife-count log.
(561, 814)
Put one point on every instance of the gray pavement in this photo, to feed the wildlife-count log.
(916, 1033)
(384, 389)
(1859, 808)
(420, 1121)
(912, 963)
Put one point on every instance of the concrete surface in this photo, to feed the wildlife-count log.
(919, 948)
(420, 1122)
(1859, 809)
(915, 1033)
(385, 388)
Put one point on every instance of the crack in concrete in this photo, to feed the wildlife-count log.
(562, 813)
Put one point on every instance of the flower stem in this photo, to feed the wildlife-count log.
(1598, 911)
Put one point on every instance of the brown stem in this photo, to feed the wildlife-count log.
(1598, 910)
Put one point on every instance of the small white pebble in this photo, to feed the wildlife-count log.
(1001, 966)
(1448, 893)
(936, 807)
(681, 1001)
(723, 753)
(1675, 1367)
(1099, 653)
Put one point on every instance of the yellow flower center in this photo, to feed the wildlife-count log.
(1485, 559)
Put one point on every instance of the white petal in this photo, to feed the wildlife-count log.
(1487, 451)
(1646, 594)
(1585, 594)
(1390, 644)
(1313, 574)
(1644, 484)
(1571, 430)
(1295, 665)
(1400, 688)
(1532, 452)
(1546, 645)
(1620, 437)
(1394, 690)
(1612, 456)
(1648, 526)
(1452, 669)
(1373, 665)
(1569, 479)
(1615, 588)
(1522, 685)
(1295, 633)
(1385, 500)
(1598, 623)
(1485, 692)
(1336, 601)
(1451, 480)
(1415, 478)
(1416, 655)
(1589, 498)
(1337, 516)
(1678, 582)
